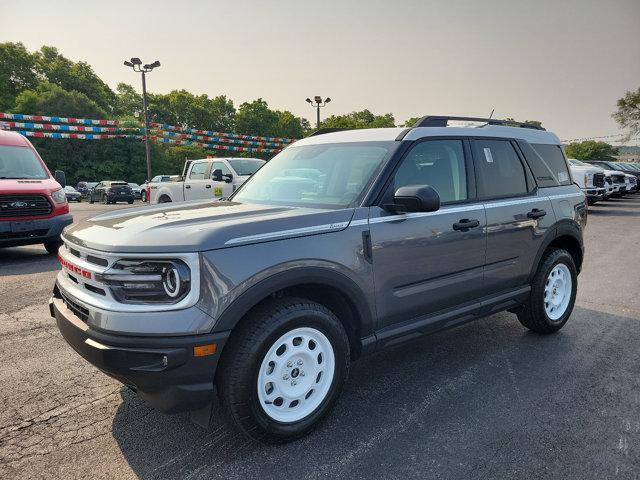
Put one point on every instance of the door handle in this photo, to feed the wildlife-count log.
(536, 213)
(207, 186)
(465, 224)
(187, 186)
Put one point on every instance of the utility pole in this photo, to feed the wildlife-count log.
(317, 103)
(137, 66)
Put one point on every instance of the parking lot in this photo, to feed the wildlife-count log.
(486, 400)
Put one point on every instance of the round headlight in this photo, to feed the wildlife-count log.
(59, 196)
(171, 281)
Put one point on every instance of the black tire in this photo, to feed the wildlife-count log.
(533, 314)
(130, 202)
(53, 246)
(164, 199)
(143, 197)
(238, 372)
(105, 200)
(91, 199)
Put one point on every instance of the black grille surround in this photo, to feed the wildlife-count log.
(618, 178)
(598, 179)
(16, 205)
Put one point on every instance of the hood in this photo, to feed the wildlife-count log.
(584, 169)
(29, 187)
(200, 226)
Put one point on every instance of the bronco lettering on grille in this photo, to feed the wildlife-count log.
(74, 268)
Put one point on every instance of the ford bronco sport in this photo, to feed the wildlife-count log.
(343, 244)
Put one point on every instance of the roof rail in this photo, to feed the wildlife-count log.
(443, 120)
(322, 131)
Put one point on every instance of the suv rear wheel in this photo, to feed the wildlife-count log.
(284, 369)
(553, 293)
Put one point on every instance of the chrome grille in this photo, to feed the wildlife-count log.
(13, 205)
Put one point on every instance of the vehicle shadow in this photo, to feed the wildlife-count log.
(468, 386)
(26, 260)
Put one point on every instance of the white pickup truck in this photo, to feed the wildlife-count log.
(205, 178)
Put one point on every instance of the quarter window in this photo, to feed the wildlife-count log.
(554, 161)
(438, 163)
(499, 171)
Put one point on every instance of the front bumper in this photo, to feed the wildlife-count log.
(30, 231)
(162, 370)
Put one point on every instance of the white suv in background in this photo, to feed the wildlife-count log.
(590, 179)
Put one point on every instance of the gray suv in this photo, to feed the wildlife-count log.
(345, 243)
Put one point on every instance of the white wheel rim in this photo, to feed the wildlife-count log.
(296, 375)
(557, 291)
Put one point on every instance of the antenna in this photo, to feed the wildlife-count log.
(491, 116)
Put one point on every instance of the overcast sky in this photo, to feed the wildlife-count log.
(562, 62)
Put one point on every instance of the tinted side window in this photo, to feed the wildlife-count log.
(553, 158)
(439, 163)
(499, 171)
(198, 171)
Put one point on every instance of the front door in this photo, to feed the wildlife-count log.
(428, 262)
(222, 188)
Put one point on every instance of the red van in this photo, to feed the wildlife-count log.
(33, 205)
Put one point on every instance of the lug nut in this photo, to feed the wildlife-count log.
(301, 373)
(299, 362)
(289, 364)
(293, 382)
(285, 377)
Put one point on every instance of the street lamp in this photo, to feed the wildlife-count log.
(318, 104)
(137, 66)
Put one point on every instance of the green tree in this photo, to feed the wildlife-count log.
(16, 73)
(256, 118)
(50, 99)
(128, 101)
(410, 122)
(362, 119)
(628, 113)
(591, 150)
(78, 76)
(182, 108)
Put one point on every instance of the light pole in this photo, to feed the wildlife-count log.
(317, 105)
(137, 66)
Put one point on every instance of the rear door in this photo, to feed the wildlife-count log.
(518, 214)
(428, 262)
(197, 185)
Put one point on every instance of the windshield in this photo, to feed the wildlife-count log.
(319, 176)
(134, 185)
(577, 163)
(69, 189)
(246, 166)
(20, 162)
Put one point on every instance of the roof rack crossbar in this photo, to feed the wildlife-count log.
(443, 120)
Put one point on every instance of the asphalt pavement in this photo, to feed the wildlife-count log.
(486, 400)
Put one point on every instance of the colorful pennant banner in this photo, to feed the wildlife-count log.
(206, 138)
(213, 146)
(70, 128)
(42, 118)
(173, 128)
(79, 136)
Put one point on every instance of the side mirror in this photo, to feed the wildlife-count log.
(416, 198)
(228, 178)
(217, 175)
(60, 177)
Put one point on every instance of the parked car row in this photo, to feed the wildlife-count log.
(601, 180)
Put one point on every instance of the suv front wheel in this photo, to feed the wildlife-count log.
(553, 293)
(283, 369)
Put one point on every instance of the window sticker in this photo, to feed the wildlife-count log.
(563, 176)
(487, 155)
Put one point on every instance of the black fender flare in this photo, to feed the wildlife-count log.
(563, 228)
(230, 317)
